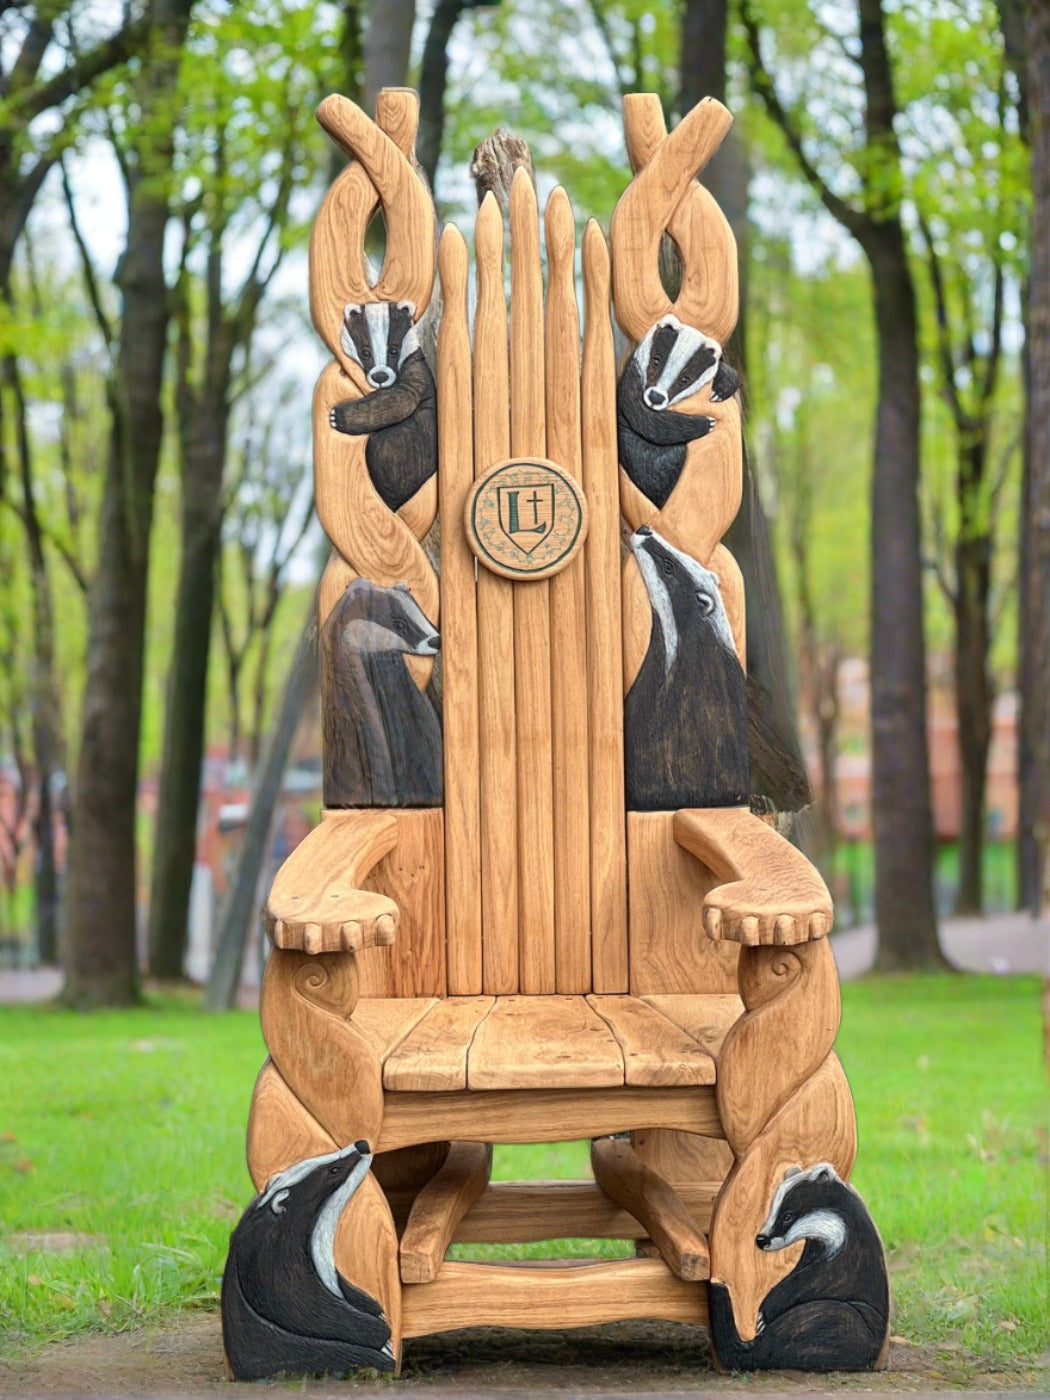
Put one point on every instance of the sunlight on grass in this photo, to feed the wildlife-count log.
(128, 1128)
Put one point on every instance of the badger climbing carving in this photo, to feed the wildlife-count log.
(670, 363)
(685, 716)
(380, 734)
(400, 415)
(285, 1306)
(831, 1313)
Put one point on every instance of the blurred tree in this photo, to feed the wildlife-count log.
(902, 813)
(387, 46)
(433, 80)
(267, 513)
(1034, 746)
(101, 963)
(247, 103)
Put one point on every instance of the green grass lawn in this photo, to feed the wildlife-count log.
(129, 1127)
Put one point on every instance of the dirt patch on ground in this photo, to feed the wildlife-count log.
(636, 1359)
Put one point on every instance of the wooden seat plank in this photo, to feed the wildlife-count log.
(385, 1021)
(543, 1042)
(656, 1051)
(434, 1054)
(706, 1018)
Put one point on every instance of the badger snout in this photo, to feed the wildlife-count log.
(381, 376)
(763, 1241)
(430, 646)
(655, 398)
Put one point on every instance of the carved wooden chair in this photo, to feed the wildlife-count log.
(535, 910)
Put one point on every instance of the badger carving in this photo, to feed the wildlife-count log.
(381, 736)
(399, 416)
(285, 1306)
(670, 363)
(685, 716)
(831, 1313)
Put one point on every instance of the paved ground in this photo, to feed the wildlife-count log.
(636, 1359)
(1000, 943)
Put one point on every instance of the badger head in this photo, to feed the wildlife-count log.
(375, 619)
(674, 361)
(680, 590)
(320, 1187)
(804, 1208)
(379, 336)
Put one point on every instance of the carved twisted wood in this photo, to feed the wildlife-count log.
(784, 1102)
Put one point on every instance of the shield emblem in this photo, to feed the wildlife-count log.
(526, 513)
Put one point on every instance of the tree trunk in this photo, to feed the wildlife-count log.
(204, 447)
(973, 683)
(388, 43)
(1033, 835)
(239, 912)
(901, 808)
(101, 961)
(433, 78)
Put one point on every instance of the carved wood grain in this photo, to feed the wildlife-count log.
(413, 875)
(463, 923)
(624, 1177)
(669, 952)
(568, 618)
(281, 1131)
(602, 562)
(532, 634)
(496, 661)
(318, 901)
(646, 209)
(710, 295)
(305, 1005)
(439, 1208)
(815, 1125)
(338, 273)
(766, 891)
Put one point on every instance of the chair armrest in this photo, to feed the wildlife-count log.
(767, 891)
(316, 905)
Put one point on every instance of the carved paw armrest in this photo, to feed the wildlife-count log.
(316, 904)
(767, 891)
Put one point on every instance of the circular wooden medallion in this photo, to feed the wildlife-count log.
(526, 518)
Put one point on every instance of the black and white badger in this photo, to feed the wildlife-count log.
(831, 1313)
(685, 716)
(285, 1307)
(400, 414)
(670, 363)
(380, 734)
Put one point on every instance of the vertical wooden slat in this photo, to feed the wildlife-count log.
(572, 876)
(604, 651)
(459, 640)
(532, 670)
(495, 613)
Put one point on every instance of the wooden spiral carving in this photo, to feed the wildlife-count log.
(784, 1102)
(665, 196)
(307, 1000)
(371, 540)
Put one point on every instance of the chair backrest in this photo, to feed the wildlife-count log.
(511, 760)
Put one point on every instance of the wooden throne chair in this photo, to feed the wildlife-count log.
(538, 906)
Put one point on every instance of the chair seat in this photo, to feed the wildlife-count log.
(546, 1042)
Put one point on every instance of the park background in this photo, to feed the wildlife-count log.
(887, 178)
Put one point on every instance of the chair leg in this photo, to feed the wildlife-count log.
(788, 1115)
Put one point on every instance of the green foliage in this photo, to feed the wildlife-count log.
(129, 1127)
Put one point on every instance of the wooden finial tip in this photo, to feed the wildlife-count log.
(452, 257)
(559, 226)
